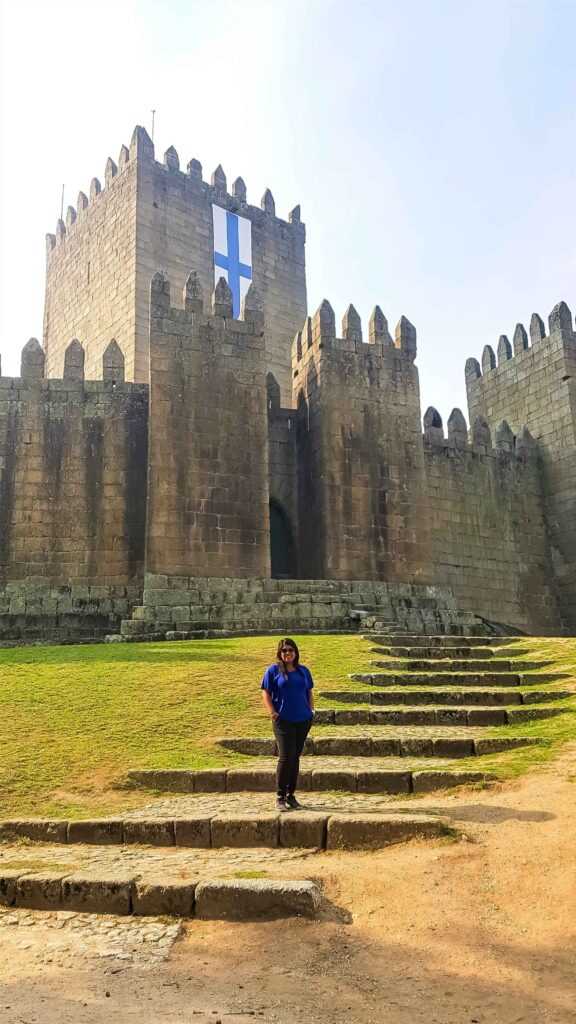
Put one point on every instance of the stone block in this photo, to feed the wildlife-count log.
(324, 717)
(359, 717)
(248, 830)
(40, 891)
(385, 747)
(256, 780)
(211, 780)
(487, 716)
(90, 893)
(428, 782)
(149, 832)
(451, 716)
(343, 746)
(99, 832)
(326, 779)
(8, 879)
(40, 831)
(303, 829)
(379, 781)
(371, 832)
(253, 899)
(453, 748)
(193, 831)
(173, 899)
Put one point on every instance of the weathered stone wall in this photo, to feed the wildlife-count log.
(208, 469)
(283, 469)
(361, 472)
(488, 531)
(176, 605)
(174, 232)
(91, 272)
(72, 497)
(533, 383)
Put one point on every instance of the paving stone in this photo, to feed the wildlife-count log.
(359, 746)
(244, 830)
(210, 781)
(304, 829)
(252, 899)
(453, 748)
(327, 778)
(358, 832)
(193, 832)
(417, 747)
(174, 899)
(258, 780)
(487, 716)
(97, 831)
(428, 781)
(149, 833)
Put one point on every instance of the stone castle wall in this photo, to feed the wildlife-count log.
(488, 529)
(360, 466)
(72, 497)
(208, 475)
(533, 383)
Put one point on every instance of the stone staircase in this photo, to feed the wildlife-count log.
(441, 695)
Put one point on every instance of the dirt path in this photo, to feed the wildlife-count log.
(476, 932)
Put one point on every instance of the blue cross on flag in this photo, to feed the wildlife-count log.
(233, 253)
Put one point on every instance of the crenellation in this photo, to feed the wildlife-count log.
(324, 324)
(123, 158)
(110, 172)
(171, 159)
(433, 427)
(239, 190)
(74, 362)
(378, 332)
(537, 329)
(488, 359)
(222, 300)
(193, 297)
(481, 435)
(50, 243)
(195, 170)
(520, 339)
(504, 349)
(60, 231)
(81, 203)
(70, 217)
(267, 203)
(560, 321)
(113, 364)
(504, 438)
(141, 145)
(351, 325)
(218, 180)
(457, 430)
(294, 217)
(32, 361)
(95, 189)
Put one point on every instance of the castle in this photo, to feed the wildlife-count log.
(189, 450)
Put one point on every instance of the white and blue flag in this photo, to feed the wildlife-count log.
(232, 253)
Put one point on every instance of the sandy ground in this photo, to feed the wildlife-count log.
(481, 931)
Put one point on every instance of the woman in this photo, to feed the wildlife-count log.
(287, 695)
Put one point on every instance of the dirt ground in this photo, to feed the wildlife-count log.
(481, 931)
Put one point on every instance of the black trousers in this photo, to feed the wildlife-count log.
(290, 737)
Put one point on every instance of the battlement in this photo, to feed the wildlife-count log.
(319, 332)
(560, 331)
(217, 327)
(479, 440)
(33, 375)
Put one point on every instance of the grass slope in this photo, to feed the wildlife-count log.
(73, 720)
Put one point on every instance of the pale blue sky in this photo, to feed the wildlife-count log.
(430, 144)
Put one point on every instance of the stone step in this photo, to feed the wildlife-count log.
(443, 640)
(382, 746)
(466, 665)
(351, 779)
(483, 716)
(208, 899)
(440, 653)
(454, 678)
(405, 696)
(302, 829)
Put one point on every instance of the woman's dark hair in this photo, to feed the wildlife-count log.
(287, 642)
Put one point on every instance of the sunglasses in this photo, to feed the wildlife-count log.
(287, 650)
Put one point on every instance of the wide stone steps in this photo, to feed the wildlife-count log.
(391, 776)
(383, 743)
(406, 696)
(442, 641)
(310, 830)
(448, 653)
(496, 665)
(454, 678)
(482, 716)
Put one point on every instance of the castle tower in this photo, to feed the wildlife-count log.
(152, 216)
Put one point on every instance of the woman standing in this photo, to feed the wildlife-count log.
(287, 695)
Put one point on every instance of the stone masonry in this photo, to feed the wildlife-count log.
(168, 467)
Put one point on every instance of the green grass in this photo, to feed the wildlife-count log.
(74, 719)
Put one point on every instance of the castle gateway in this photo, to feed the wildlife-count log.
(188, 450)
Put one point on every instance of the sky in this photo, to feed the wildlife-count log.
(431, 145)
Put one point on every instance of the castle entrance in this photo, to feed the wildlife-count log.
(282, 547)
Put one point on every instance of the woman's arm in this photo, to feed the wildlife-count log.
(267, 701)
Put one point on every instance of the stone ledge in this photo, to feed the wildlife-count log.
(251, 899)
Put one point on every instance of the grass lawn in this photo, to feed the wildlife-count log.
(74, 719)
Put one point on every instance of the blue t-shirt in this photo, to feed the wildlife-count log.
(289, 693)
